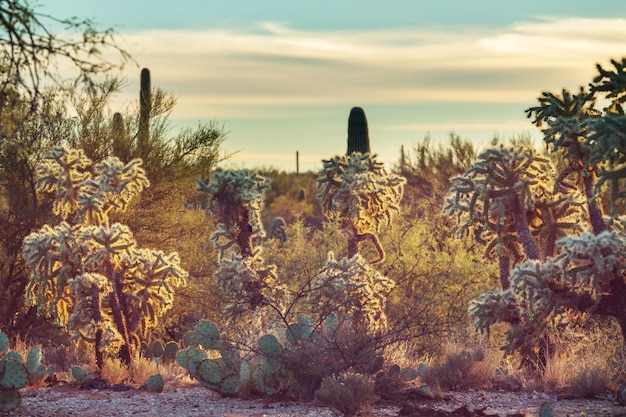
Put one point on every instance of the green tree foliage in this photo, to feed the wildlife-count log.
(33, 121)
(88, 274)
(429, 168)
(22, 146)
(436, 277)
(31, 53)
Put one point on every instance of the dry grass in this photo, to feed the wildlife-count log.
(404, 355)
(585, 362)
(592, 378)
(463, 368)
(114, 372)
(349, 393)
(141, 369)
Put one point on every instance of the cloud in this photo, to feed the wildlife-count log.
(220, 70)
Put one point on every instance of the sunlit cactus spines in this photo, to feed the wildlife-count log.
(496, 195)
(352, 287)
(83, 196)
(579, 278)
(357, 191)
(90, 275)
(62, 172)
(238, 198)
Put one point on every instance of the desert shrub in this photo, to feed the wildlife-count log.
(436, 276)
(333, 348)
(283, 199)
(349, 393)
(591, 378)
(463, 368)
(114, 372)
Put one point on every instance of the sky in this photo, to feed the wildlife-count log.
(282, 75)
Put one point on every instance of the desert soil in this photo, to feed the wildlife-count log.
(196, 401)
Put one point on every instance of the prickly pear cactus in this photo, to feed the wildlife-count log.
(171, 349)
(79, 374)
(33, 360)
(269, 345)
(155, 383)
(220, 375)
(4, 343)
(9, 400)
(156, 349)
(208, 334)
(209, 372)
(14, 374)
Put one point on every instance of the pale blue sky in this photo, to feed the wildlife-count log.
(282, 75)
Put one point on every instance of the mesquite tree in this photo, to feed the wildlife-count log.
(90, 275)
(356, 191)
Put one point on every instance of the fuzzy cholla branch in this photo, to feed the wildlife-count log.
(352, 287)
(358, 188)
(578, 279)
(152, 283)
(499, 176)
(89, 196)
(233, 189)
(53, 256)
(62, 172)
(238, 199)
(591, 261)
(249, 284)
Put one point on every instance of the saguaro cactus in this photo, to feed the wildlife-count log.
(145, 106)
(358, 132)
(120, 141)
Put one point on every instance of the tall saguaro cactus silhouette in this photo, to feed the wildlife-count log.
(358, 132)
(145, 106)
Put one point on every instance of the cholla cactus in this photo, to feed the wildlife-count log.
(78, 193)
(585, 277)
(89, 275)
(495, 196)
(356, 190)
(351, 287)
(238, 198)
(249, 284)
